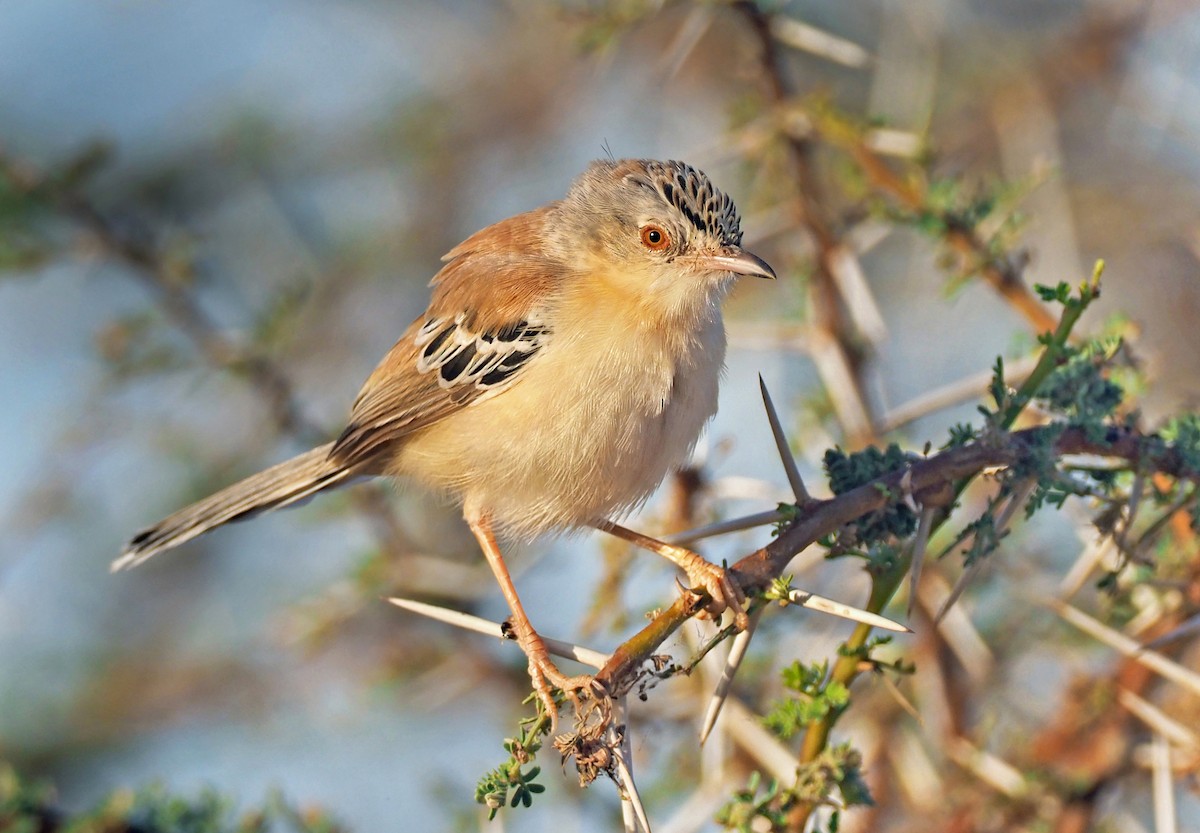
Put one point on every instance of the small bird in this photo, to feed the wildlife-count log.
(567, 361)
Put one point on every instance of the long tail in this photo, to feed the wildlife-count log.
(278, 486)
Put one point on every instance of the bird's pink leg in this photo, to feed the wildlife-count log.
(542, 670)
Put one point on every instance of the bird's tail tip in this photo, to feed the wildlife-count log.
(125, 561)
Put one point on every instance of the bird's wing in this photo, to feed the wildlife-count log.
(485, 323)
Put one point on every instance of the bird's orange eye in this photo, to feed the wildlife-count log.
(654, 238)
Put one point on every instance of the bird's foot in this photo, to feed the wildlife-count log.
(721, 587)
(546, 677)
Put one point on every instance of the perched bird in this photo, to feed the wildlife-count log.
(568, 360)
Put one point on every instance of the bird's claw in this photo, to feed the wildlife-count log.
(723, 591)
(546, 677)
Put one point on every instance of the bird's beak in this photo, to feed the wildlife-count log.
(739, 262)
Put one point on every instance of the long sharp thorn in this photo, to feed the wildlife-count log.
(968, 575)
(699, 533)
(814, 602)
(737, 653)
(781, 443)
(621, 754)
(489, 628)
(919, 547)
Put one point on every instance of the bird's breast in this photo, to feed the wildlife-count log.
(599, 417)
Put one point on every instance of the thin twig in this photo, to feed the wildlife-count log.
(954, 393)
(991, 769)
(1185, 628)
(757, 570)
(1163, 786)
(1019, 496)
(1159, 721)
(808, 38)
(1156, 662)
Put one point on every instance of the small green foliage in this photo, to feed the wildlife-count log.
(788, 513)
(838, 767)
(816, 697)
(863, 651)
(1047, 492)
(780, 590)
(769, 808)
(26, 807)
(494, 788)
(1079, 389)
(1184, 433)
(849, 471)
(1055, 354)
(1060, 293)
(984, 538)
(766, 808)
(1040, 463)
(961, 433)
(998, 388)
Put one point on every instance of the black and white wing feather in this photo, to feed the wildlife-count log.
(440, 366)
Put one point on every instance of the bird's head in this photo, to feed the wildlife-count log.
(661, 229)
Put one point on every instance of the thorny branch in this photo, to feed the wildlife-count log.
(931, 481)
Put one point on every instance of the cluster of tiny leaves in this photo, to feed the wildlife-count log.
(1184, 434)
(949, 208)
(21, 246)
(751, 810)
(29, 231)
(760, 807)
(510, 783)
(865, 653)
(787, 513)
(1079, 390)
(961, 433)
(999, 391)
(849, 471)
(884, 558)
(27, 807)
(984, 538)
(837, 767)
(815, 698)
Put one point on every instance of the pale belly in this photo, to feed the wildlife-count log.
(582, 436)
